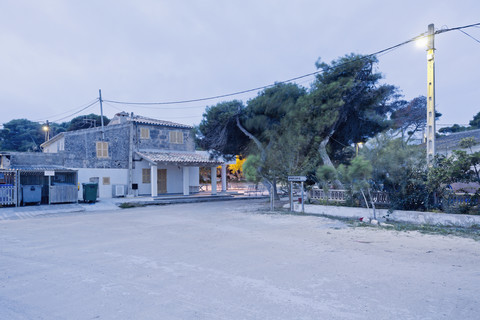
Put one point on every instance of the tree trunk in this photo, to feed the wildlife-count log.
(322, 150)
(275, 193)
(263, 156)
(252, 137)
(372, 203)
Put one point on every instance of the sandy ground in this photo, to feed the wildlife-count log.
(227, 260)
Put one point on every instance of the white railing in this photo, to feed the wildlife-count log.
(331, 195)
(378, 197)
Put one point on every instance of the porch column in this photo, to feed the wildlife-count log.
(186, 181)
(224, 178)
(214, 180)
(153, 180)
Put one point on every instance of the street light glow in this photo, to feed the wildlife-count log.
(422, 41)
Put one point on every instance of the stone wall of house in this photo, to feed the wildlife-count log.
(81, 147)
(160, 139)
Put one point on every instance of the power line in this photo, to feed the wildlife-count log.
(62, 113)
(457, 28)
(383, 51)
(70, 115)
(469, 36)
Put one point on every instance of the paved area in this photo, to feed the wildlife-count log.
(229, 260)
(36, 211)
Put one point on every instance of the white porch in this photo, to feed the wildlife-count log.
(174, 173)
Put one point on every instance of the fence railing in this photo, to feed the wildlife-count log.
(461, 198)
(331, 195)
(7, 195)
(378, 197)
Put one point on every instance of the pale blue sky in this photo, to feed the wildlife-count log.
(55, 55)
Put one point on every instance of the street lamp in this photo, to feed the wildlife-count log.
(46, 128)
(357, 146)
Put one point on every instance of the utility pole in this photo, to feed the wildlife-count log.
(101, 112)
(430, 95)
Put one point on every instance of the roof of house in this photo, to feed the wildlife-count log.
(41, 167)
(124, 117)
(452, 141)
(184, 158)
(145, 120)
(52, 140)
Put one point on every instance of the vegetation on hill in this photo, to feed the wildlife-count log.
(26, 135)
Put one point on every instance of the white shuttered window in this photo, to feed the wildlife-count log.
(102, 149)
(176, 137)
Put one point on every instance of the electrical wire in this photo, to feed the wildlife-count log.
(150, 107)
(380, 52)
(377, 53)
(468, 35)
(384, 51)
(62, 113)
(70, 115)
(476, 25)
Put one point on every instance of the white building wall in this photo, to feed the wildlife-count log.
(174, 177)
(143, 188)
(116, 176)
(55, 146)
(194, 176)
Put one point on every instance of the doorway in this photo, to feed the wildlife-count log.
(162, 180)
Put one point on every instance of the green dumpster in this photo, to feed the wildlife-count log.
(90, 192)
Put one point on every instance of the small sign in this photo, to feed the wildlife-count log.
(49, 173)
(297, 178)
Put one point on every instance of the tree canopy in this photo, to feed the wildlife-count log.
(86, 121)
(21, 135)
(26, 135)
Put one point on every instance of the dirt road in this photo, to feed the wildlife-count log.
(227, 260)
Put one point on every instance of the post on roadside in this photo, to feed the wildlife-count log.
(293, 179)
(49, 174)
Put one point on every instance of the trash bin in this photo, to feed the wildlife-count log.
(90, 192)
(31, 194)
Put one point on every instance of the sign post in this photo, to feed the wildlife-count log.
(49, 174)
(293, 179)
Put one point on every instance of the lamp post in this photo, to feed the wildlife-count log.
(430, 95)
(46, 128)
(357, 146)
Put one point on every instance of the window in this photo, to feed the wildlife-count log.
(106, 180)
(102, 149)
(145, 175)
(144, 133)
(176, 137)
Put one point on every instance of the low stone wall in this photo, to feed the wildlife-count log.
(414, 217)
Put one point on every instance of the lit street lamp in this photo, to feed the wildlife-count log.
(46, 128)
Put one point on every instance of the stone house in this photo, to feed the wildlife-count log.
(134, 155)
(446, 144)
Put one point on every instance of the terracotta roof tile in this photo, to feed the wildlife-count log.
(144, 120)
(178, 157)
(452, 141)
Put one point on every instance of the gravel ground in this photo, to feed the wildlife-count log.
(230, 260)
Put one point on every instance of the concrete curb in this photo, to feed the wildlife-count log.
(413, 217)
(175, 200)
